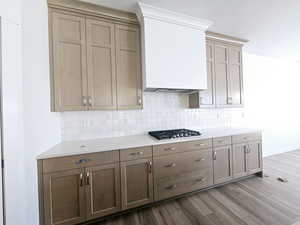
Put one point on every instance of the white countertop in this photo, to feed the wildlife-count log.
(117, 143)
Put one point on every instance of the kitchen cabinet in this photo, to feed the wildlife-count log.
(129, 83)
(101, 68)
(64, 194)
(247, 156)
(102, 190)
(95, 62)
(136, 182)
(222, 164)
(77, 188)
(224, 74)
(68, 59)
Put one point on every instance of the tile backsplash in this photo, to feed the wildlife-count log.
(161, 111)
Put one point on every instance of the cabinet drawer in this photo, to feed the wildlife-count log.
(222, 141)
(79, 161)
(236, 139)
(172, 165)
(166, 188)
(135, 153)
(194, 145)
(181, 147)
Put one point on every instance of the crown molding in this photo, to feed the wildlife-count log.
(224, 37)
(150, 12)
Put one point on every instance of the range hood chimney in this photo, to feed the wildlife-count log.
(173, 50)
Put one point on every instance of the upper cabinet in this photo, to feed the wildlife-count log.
(94, 58)
(224, 75)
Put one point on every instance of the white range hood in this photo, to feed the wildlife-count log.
(173, 50)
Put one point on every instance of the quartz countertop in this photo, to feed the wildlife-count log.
(78, 147)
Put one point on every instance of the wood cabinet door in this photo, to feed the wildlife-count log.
(102, 190)
(68, 57)
(137, 183)
(254, 157)
(222, 162)
(221, 74)
(129, 82)
(235, 77)
(101, 65)
(239, 160)
(64, 197)
(207, 96)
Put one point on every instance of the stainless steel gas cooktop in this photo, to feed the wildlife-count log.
(177, 133)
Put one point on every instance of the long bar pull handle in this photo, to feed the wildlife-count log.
(150, 166)
(88, 178)
(81, 179)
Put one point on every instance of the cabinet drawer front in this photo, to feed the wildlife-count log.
(166, 188)
(165, 149)
(194, 145)
(79, 161)
(236, 139)
(222, 141)
(135, 153)
(180, 163)
(181, 147)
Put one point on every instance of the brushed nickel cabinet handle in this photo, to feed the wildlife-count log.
(171, 187)
(199, 160)
(215, 155)
(201, 144)
(150, 166)
(90, 101)
(245, 149)
(200, 179)
(171, 165)
(170, 149)
(84, 100)
(140, 100)
(88, 178)
(80, 161)
(81, 179)
(249, 149)
(137, 153)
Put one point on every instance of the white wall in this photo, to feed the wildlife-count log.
(41, 127)
(272, 101)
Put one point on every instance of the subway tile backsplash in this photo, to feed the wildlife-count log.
(161, 111)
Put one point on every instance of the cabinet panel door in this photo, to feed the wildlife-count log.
(254, 157)
(222, 157)
(129, 82)
(137, 183)
(235, 80)
(207, 96)
(69, 62)
(101, 64)
(64, 198)
(239, 160)
(221, 74)
(103, 190)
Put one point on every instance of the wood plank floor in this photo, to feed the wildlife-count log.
(254, 201)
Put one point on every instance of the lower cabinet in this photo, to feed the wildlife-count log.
(102, 190)
(222, 164)
(136, 182)
(64, 194)
(247, 159)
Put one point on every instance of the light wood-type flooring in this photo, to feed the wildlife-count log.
(254, 201)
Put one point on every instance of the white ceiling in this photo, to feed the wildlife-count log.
(272, 26)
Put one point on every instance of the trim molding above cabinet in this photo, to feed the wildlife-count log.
(224, 74)
(94, 57)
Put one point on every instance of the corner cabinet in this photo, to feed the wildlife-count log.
(95, 62)
(224, 74)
